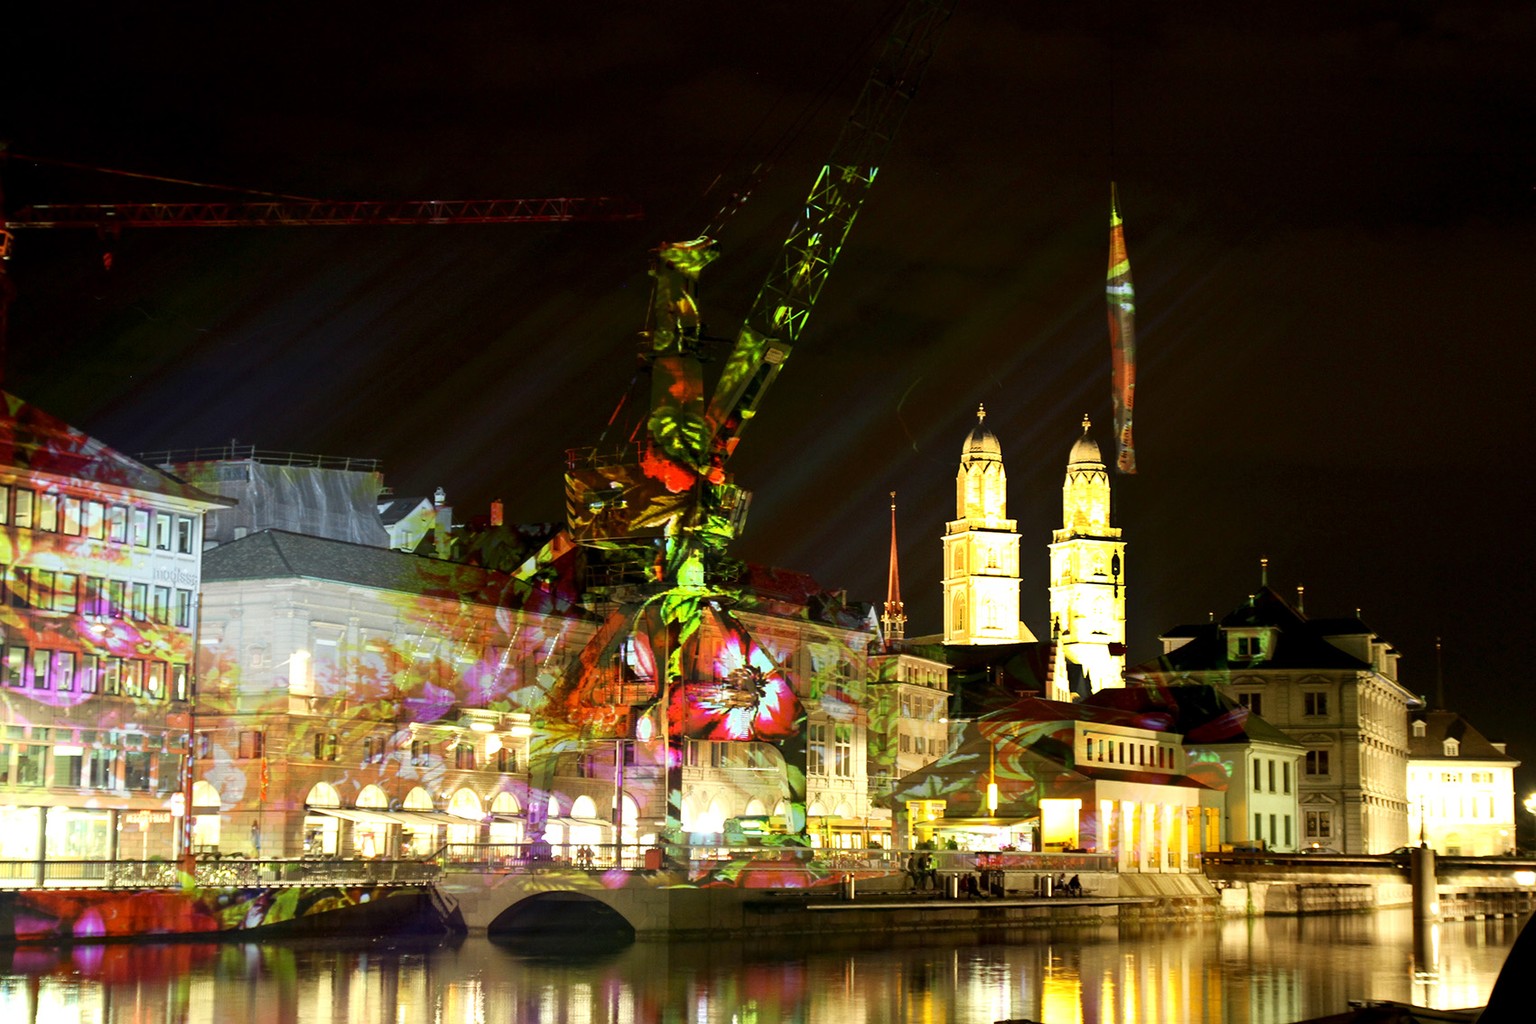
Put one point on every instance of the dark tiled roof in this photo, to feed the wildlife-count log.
(1299, 643)
(1200, 712)
(34, 441)
(396, 509)
(1440, 726)
(276, 554)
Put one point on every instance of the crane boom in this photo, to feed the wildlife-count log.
(316, 213)
(783, 306)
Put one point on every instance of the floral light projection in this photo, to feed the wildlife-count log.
(749, 698)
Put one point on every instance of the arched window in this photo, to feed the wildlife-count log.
(418, 799)
(322, 794)
(372, 796)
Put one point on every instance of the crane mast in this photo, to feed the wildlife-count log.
(655, 512)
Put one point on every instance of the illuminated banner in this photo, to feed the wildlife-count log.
(1121, 297)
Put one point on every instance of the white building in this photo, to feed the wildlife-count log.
(1461, 788)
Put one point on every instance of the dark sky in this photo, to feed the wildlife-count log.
(1329, 209)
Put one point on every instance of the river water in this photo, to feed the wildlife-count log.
(1264, 971)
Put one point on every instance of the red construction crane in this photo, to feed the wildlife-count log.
(109, 219)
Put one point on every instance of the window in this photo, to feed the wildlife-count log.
(87, 676)
(141, 527)
(23, 516)
(1285, 778)
(138, 608)
(204, 744)
(816, 750)
(1250, 647)
(30, 758)
(155, 680)
(42, 589)
(66, 592)
(95, 601)
(136, 770)
(1271, 784)
(1258, 778)
(1317, 762)
(94, 522)
(421, 752)
(5, 764)
(160, 604)
(463, 756)
(179, 681)
(41, 660)
(15, 666)
(1314, 704)
(112, 676)
(117, 524)
(48, 512)
(5, 504)
(373, 749)
(163, 527)
(842, 753)
(506, 758)
(101, 769)
(64, 671)
(185, 531)
(71, 520)
(1319, 825)
(67, 761)
(325, 746)
(1258, 827)
(133, 677)
(1452, 747)
(117, 598)
(184, 608)
(252, 744)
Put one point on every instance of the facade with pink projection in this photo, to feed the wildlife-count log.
(100, 560)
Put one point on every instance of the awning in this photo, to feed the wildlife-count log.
(405, 819)
(969, 823)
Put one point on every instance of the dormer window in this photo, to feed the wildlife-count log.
(1248, 646)
(1420, 727)
(1452, 747)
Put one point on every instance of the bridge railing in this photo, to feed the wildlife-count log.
(534, 856)
(229, 872)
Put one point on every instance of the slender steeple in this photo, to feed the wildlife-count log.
(894, 621)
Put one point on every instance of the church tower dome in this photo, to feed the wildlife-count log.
(1088, 576)
(981, 549)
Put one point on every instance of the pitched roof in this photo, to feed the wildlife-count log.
(34, 441)
(277, 554)
(1202, 713)
(1299, 643)
(1440, 726)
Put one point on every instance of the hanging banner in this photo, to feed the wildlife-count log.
(1121, 297)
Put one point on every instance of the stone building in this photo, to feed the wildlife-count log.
(1461, 788)
(100, 565)
(1331, 685)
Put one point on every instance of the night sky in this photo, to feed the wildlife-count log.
(1328, 206)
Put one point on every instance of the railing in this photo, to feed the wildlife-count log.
(232, 872)
(515, 857)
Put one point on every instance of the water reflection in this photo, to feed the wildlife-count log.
(1265, 971)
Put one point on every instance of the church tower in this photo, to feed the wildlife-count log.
(1088, 577)
(893, 621)
(981, 549)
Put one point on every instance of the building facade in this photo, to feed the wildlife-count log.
(1461, 788)
(101, 562)
(1329, 684)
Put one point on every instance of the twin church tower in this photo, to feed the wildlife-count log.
(981, 566)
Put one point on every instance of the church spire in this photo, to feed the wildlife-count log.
(894, 621)
(1120, 295)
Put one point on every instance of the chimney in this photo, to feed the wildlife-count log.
(496, 512)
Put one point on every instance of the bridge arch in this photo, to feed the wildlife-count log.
(553, 917)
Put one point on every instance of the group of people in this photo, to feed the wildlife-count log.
(1068, 888)
(921, 874)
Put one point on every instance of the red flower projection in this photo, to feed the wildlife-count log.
(749, 698)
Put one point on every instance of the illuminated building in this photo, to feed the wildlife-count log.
(981, 549)
(367, 702)
(1087, 577)
(1461, 787)
(1229, 750)
(412, 522)
(101, 563)
(1329, 684)
(1068, 776)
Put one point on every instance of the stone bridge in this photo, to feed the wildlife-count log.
(1275, 883)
